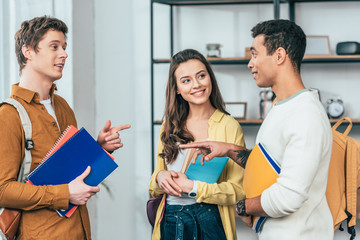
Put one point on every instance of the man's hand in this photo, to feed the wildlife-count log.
(109, 138)
(167, 184)
(80, 192)
(211, 149)
(183, 181)
(247, 220)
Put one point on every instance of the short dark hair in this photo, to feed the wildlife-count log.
(31, 33)
(285, 34)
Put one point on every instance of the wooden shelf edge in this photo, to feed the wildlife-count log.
(258, 122)
(331, 56)
(210, 2)
(307, 59)
(309, 1)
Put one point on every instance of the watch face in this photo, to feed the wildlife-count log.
(240, 208)
(192, 194)
(335, 109)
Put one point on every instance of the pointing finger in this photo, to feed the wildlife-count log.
(121, 127)
(194, 145)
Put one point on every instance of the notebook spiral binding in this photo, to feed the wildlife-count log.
(48, 154)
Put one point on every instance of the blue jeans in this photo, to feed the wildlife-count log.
(199, 221)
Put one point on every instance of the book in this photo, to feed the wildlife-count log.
(74, 151)
(261, 171)
(188, 157)
(208, 173)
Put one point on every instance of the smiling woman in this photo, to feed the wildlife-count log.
(194, 111)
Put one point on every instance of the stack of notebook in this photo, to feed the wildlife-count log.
(74, 151)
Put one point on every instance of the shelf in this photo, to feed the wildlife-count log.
(213, 2)
(307, 59)
(235, 60)
(258, 122)
(294, 1)
(331, 58)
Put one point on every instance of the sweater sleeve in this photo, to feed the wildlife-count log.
(305, 144)
(228, 190)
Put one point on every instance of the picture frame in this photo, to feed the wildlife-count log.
(317, 45)
(237, 109)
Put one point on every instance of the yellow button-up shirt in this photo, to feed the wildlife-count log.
(39, 219)
(227, 191)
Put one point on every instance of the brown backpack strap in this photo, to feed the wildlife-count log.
(338, 123)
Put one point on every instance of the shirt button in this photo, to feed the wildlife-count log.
(54, 124)
(42, 108)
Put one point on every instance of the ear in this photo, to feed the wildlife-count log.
(26, 51)
(280, 55)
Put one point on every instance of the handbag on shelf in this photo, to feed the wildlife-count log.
(10, 218)
(152, 206)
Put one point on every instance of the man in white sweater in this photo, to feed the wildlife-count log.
(296, 131)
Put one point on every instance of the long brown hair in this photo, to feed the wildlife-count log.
(177, 109)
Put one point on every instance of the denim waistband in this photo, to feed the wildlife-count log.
(189, 207)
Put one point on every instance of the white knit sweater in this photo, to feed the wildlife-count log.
(298, 135)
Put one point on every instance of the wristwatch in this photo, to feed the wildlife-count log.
(240, 208)
(193, 192)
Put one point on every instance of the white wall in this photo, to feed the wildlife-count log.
(119, 61)
(121, 95)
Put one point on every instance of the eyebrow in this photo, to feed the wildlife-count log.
(57, 41)
(252, 48)
(195, 74)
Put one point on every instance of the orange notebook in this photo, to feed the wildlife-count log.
(261, 172)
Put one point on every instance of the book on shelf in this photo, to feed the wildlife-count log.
(209, 172)
(73, 152)
(261, 171)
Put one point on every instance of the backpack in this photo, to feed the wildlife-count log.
(343, 178)
(9, 218)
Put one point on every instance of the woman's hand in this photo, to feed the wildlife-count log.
(165, 180)
(183, 181)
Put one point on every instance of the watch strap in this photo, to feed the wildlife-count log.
(193, 192)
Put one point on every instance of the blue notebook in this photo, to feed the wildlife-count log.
(70, 161)
(208, 173)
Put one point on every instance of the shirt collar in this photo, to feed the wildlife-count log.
(217, 116)
(28, 95)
